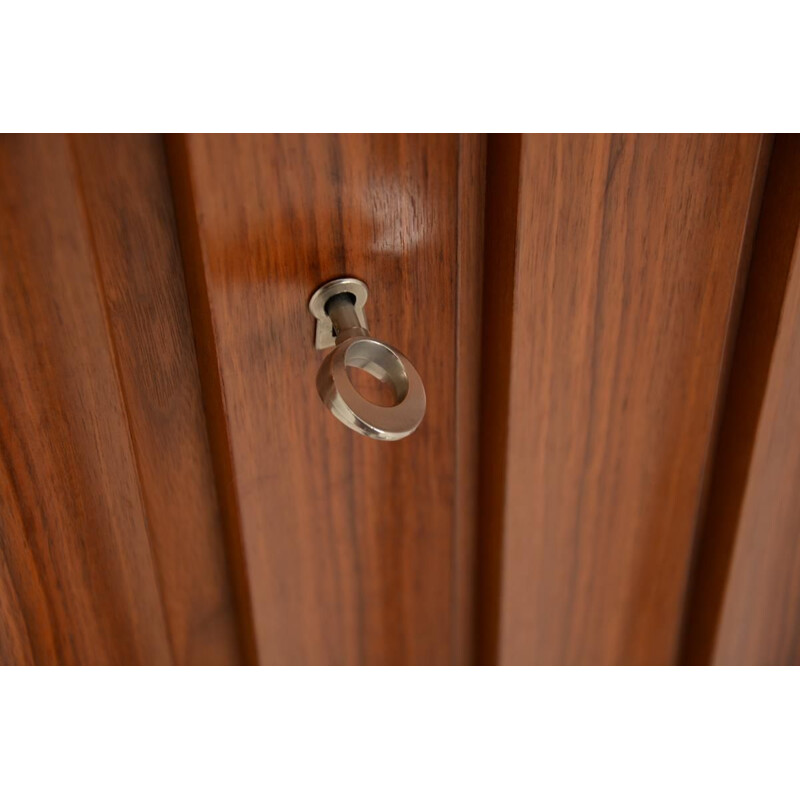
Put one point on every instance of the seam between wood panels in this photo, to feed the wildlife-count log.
(455, 611)
(212, 388)
(135, 453)
(455, 538)
(511, 313)
(733, 318)
(497, 296)
(471, 177)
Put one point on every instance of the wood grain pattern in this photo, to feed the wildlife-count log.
(128, 204)
(763, 301)
(77, 582)
(749, 575)
(628, 252)
(469, 307)
(347, 545)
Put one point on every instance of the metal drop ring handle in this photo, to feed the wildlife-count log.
(338, 307)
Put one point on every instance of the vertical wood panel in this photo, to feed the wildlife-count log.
(77, 582)
(627, 259)
(763, 301)
(745, 608)
(346, 546)
(760, 620)
(129, 210)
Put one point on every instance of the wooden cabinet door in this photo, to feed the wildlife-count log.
(604, 474)
(347, 550)
(110, 534)
(622, 258)
(173, 488)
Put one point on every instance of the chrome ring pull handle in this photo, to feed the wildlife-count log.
(338, 307)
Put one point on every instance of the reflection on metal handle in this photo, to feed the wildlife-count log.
(342, 324)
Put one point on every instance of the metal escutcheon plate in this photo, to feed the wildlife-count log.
(325, 336)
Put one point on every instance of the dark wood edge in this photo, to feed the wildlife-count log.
(210, 381)
(500, 251)
(774, 220)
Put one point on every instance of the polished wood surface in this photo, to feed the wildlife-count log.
(628, 255)
(77, 580)
(111, 537)
(759, 611)
(744, 393)
(347, 548)
(129, 211)
(607, 466)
